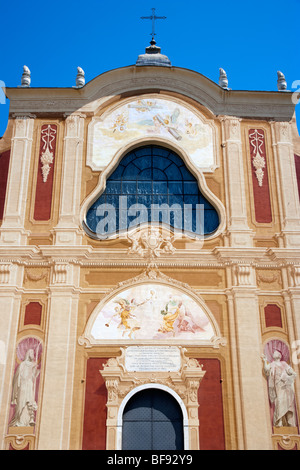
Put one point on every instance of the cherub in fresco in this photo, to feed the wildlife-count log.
(120, 123)
(124, 311)
(141, 106)
(192, 129)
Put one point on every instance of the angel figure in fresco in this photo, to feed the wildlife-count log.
(170, 313)
(142, 106)
(124, 312)
(281, 378)
(23, 391)
(177, 319)
(167, 122)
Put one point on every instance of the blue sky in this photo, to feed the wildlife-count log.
(250, 40)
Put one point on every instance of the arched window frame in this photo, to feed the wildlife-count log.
(100, 188)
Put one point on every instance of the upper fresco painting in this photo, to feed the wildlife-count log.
(151, 117)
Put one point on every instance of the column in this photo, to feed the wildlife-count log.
(12, 231)
(68, 230)
(253, 392)
(286, 183)
(56, 406)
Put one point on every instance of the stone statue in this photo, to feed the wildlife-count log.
(281, 378)
(23, 391)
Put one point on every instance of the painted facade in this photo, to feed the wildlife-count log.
(73, 308)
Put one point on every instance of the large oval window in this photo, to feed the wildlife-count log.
(151, 185)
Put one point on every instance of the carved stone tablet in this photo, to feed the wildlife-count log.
(152, 358)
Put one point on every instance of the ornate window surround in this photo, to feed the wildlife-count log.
(153, 175)
(100, 187)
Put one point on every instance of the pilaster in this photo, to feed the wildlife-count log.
(293, 294)
(12, 231)
(286, 183)
(254, 403)
(292, 305)
(11, 276)
(55, 421)
(68, 230)
(238, 232)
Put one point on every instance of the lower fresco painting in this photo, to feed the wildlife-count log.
(152, 311)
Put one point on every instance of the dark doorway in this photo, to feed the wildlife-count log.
(152, 420)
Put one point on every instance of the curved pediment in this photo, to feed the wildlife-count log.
(109, 86)
(130, 79)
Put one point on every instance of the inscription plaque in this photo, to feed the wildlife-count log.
(152, 359)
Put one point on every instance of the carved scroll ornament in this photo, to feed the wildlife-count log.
(47, 155)
(258, 161)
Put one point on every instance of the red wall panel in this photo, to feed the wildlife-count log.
(94, 426)
(33, 314)
(44, 185)
(297, 165)
(261, 191)
(4, 165)
(273, 316)
(211, 430)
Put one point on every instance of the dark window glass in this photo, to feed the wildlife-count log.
(152, 420)
(152, 175)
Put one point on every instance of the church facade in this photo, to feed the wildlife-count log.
(150, 260)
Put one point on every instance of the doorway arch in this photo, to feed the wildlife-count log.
(155, 413)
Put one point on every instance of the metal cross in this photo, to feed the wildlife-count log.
(153, 17)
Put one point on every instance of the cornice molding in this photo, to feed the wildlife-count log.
(88, 256)
(240, 103)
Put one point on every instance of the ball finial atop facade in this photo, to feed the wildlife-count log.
(281, 81)
(26, 77)
(223, 80)
(80, 79)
